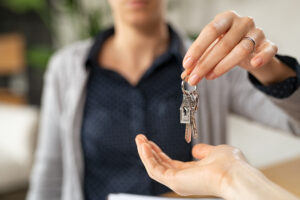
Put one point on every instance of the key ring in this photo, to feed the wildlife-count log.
(184, 90)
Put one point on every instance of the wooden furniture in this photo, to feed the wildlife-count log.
(6, 96)
(286, 174)
(12, 51)
(12, 62)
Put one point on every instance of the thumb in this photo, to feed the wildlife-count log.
(200, 151)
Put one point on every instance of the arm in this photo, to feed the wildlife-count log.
(46, 178)
(273, 72)
(285, 94)
(246, 182)
(248, 101)
(222, 171)
(232, 40)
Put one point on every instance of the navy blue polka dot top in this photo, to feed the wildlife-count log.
(115, 112)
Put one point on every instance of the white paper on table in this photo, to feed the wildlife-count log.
(122, 196)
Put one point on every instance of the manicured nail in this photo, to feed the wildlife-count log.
(257, 62)
(142, 137)
(188, 63)
(194, 79)
(138, 141)
(182, 75)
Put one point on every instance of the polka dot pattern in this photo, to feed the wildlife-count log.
(115, 112)
(285, 88)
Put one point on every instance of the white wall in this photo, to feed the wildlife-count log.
(279, 19)
(263, 146)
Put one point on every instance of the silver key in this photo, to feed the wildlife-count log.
(195, 99)
(188, 133)
(185, 110)
(193, 126)
(188, 109)
(185, 115)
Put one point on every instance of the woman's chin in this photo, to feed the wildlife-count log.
(143, 21)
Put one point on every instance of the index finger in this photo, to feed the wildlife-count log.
(220, 25)
(147, 155)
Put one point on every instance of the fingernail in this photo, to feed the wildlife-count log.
(188, 63)
(194, 79)
(141, 138)
(183, 74)
(257, 62)
(144, 138)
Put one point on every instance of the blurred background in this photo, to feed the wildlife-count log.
(31, 30)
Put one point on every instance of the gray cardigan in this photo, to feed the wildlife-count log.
(58, 168)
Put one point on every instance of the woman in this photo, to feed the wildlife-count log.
(223, 167)
(99, 94)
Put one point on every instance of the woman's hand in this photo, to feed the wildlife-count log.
(222, 171)
(205, 177)
(231, 40)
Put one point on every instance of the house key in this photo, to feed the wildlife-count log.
(188, 110)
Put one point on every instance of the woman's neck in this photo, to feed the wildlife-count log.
(131, 50)
(140, 44)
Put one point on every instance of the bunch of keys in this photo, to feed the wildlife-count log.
(188, 110)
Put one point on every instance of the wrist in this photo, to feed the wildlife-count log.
(273, 72)
(241, 182)
(246, 182)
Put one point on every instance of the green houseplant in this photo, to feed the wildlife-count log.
(37, 55)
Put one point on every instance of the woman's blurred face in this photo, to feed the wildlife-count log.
(138, 12)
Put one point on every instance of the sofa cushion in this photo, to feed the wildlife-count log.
(18, 129)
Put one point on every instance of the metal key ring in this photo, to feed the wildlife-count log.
(184, 90)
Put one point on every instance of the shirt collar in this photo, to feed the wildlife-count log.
(92, 58)
(175, 46)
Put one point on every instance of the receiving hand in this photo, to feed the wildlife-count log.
(205, 177)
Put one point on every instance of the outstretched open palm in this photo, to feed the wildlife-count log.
(204, 177)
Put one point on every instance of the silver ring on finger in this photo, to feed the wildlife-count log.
(252, 40)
